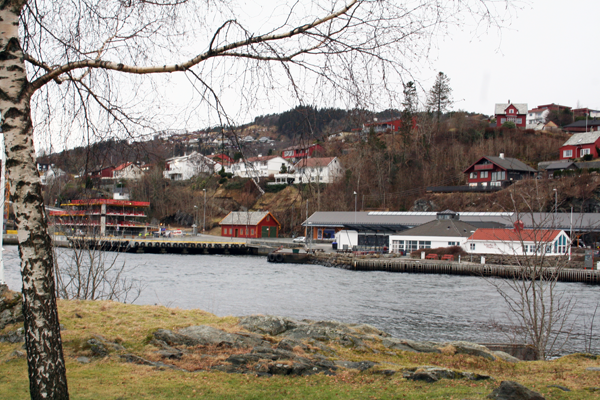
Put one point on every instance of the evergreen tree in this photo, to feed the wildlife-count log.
(410, 104)
(440, 96)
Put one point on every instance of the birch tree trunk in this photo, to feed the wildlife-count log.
(47, 373)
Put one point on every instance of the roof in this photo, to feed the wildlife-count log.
(582, 123)
(314, 162)
(512, 235)
(262, 158)
(506, 163)
(401, 220)
(246, 218)
(560, 165)
(583, 137)
(441, 228)
(501, 107)
(109, 202)
(123, 166)
(302, 147)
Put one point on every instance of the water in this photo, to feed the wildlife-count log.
(412, 306)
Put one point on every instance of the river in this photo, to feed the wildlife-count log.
(412, 306)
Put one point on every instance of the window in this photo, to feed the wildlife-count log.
(484, 174)
(498, 176)
(511, 111)
(452, 243)
(397, 245)
(412, 245)
(252, 231)
(584, 152)
(567, 153)
(424, 244)
(472, 246)
(519, 121)
(473, 175)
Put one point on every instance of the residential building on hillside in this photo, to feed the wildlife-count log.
(582, 112)
(312, 170)
(519, 241)
(259, 167)
(581, 144)
(101, 172)
(187, 166)
(128, 170)
(250, 224)
(583, 126)
(497, 171)
(297, 152)
(445, 231)
(539, 115)
(509, 112)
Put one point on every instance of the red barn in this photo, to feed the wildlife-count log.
(509, 112)
(581, 144)
(255, 224)
(494, 171)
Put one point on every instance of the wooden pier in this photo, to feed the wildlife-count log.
(453, 268)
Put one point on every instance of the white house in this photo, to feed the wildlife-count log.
(259, 166)
(187, 166)
(346, 239)
(315, 169)
(537, 116)
(128, 170)
(445, 231)
(519, 241)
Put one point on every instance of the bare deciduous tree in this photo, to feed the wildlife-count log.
(80, 68)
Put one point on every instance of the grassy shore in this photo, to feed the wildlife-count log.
(132, 327)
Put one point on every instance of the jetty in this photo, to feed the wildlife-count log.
(408, 265)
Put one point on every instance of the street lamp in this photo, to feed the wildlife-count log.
(555, 203)
(355, 207)
(204, 218)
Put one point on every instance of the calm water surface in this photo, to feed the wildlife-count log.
(413, 306)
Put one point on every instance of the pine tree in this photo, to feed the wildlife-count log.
(440, 96)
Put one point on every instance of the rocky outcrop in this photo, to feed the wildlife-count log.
(432, 374)
(509, 390)
(11, 307)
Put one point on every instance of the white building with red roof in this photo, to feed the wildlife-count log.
(519, 241)
(128, 170)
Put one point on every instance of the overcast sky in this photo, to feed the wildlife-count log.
(547, 55)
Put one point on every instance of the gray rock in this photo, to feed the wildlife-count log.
(432, 374)
(97, 348)
(131, 358)
(563, 388)
(597, 369)
(422, 347)
(18, 354)
(5, 318)
(83, 360)
(425, 376)
(397, 344)
(360, 365)
(473, 349)
(267, 324)
(16, 336)
(366, 329)
(509, 390)
(174, 339)
(205, 335)
(506, 357)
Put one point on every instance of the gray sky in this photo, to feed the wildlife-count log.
(547, 55)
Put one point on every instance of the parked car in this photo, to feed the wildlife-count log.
(299, 239)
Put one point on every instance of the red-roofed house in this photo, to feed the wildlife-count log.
(518, 241)
(128, 170)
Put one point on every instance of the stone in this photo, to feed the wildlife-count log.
(360, 365)
(425, 376)
(267, 324)
(366, 329)
(18, 354)
(132, 358)
(83, 360)
(433, 374)
(505, 357)
(97, 348)
(422, 347)
(563, 388)
(16, 336)
(597, 369)
(207, 335)
(473, 349)
(509, 390)
(396, 344)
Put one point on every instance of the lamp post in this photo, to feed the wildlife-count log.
(355, 207)
(555, 203)
(204, 217)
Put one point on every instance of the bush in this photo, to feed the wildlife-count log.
(275, 188)
(588, 157)
(454, 250)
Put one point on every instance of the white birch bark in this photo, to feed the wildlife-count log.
(47, 374)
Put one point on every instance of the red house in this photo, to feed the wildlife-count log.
(301, 151)
(255, 224)
(106, 172)
(581, 144)
(509, 112)
(497, 171)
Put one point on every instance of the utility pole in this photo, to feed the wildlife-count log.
(204, 219)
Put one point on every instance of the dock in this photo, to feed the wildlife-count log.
(407, 265)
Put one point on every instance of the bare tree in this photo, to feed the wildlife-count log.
(539, 314)
(65, 64)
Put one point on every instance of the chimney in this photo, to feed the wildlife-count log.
(502, 156)
(519, 225)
